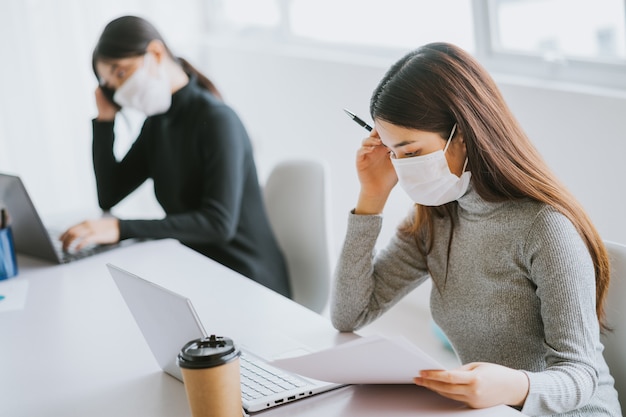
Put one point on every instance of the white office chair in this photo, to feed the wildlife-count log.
(296, 196)
(615, 341)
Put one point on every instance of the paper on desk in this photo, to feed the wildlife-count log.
(13, 293)
(367, 360)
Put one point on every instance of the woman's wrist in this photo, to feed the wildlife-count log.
(106, 117)
(518, 395)
(370, 203)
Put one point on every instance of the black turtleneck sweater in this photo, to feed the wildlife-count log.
(200, 159)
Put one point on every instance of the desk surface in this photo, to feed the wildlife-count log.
(70, 347)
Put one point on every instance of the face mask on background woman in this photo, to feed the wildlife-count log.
(147, 89)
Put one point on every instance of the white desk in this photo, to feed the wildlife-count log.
(73, 348)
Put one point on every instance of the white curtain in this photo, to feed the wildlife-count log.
(47, 86)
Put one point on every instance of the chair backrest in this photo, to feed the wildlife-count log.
(296, 197)
(615, 341)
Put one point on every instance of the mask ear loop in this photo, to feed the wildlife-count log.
(448, 144)
(450, 138)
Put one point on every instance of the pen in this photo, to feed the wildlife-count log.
(357, 119)
(3, 218)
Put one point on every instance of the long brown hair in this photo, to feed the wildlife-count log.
(440, 84)
(129, 36)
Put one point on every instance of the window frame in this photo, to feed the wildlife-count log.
(584, 73)
(560, 70)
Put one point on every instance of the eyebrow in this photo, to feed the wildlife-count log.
(403, 143)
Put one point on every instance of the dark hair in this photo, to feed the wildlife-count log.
(129, 36)
(440, 84)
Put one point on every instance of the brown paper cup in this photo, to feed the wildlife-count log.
(214, 392)
(210, 369)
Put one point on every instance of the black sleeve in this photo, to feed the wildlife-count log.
(224, 148)
(116, 180)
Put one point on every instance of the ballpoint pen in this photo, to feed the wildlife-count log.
(357, 119)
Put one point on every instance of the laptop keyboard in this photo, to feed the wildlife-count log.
(258, 379)
(83, 253)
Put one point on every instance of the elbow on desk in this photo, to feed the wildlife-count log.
(341, 322)
(220, 230)
(215, 223)
(106, 201)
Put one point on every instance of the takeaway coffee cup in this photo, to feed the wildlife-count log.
(210, 368)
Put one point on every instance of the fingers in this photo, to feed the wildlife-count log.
(443, 388)
(85, 241)
(372, 140)
(461, 375)
(76, 236)
(372, 144)
(106, 108)
(455, 384)
(443, 381)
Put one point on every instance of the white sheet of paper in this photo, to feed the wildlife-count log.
(368, 360)
(13, 293)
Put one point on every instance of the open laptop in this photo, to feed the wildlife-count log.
(168, 321)
(31, 237)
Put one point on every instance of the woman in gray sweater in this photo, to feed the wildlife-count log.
(519, 272)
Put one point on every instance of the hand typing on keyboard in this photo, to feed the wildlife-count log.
(91, 232)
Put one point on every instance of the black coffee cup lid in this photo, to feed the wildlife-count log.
(208, 352)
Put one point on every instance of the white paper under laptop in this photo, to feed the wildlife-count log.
(168, 320)
(31, 236)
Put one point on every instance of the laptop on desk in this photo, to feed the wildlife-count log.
(31, 236)
(168, 321)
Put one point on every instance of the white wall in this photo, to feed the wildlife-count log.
(292, 105)
(582, 137)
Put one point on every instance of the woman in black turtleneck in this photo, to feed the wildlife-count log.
(192, 145)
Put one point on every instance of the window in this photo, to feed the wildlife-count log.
(395, 24)
(578, 41)
(560, 29)
(240, 15)
(371, 26)
(575, 41)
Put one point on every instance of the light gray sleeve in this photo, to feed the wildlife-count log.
(365, 284)
(562, 269)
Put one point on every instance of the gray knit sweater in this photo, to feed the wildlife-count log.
(520, 292)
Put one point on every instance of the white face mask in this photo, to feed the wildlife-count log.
(427, 178)
(147, 89)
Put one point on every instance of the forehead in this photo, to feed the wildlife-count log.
(394, 136)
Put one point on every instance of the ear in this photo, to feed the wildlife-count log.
(458, 135)
(157, 48)
(459, 141)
